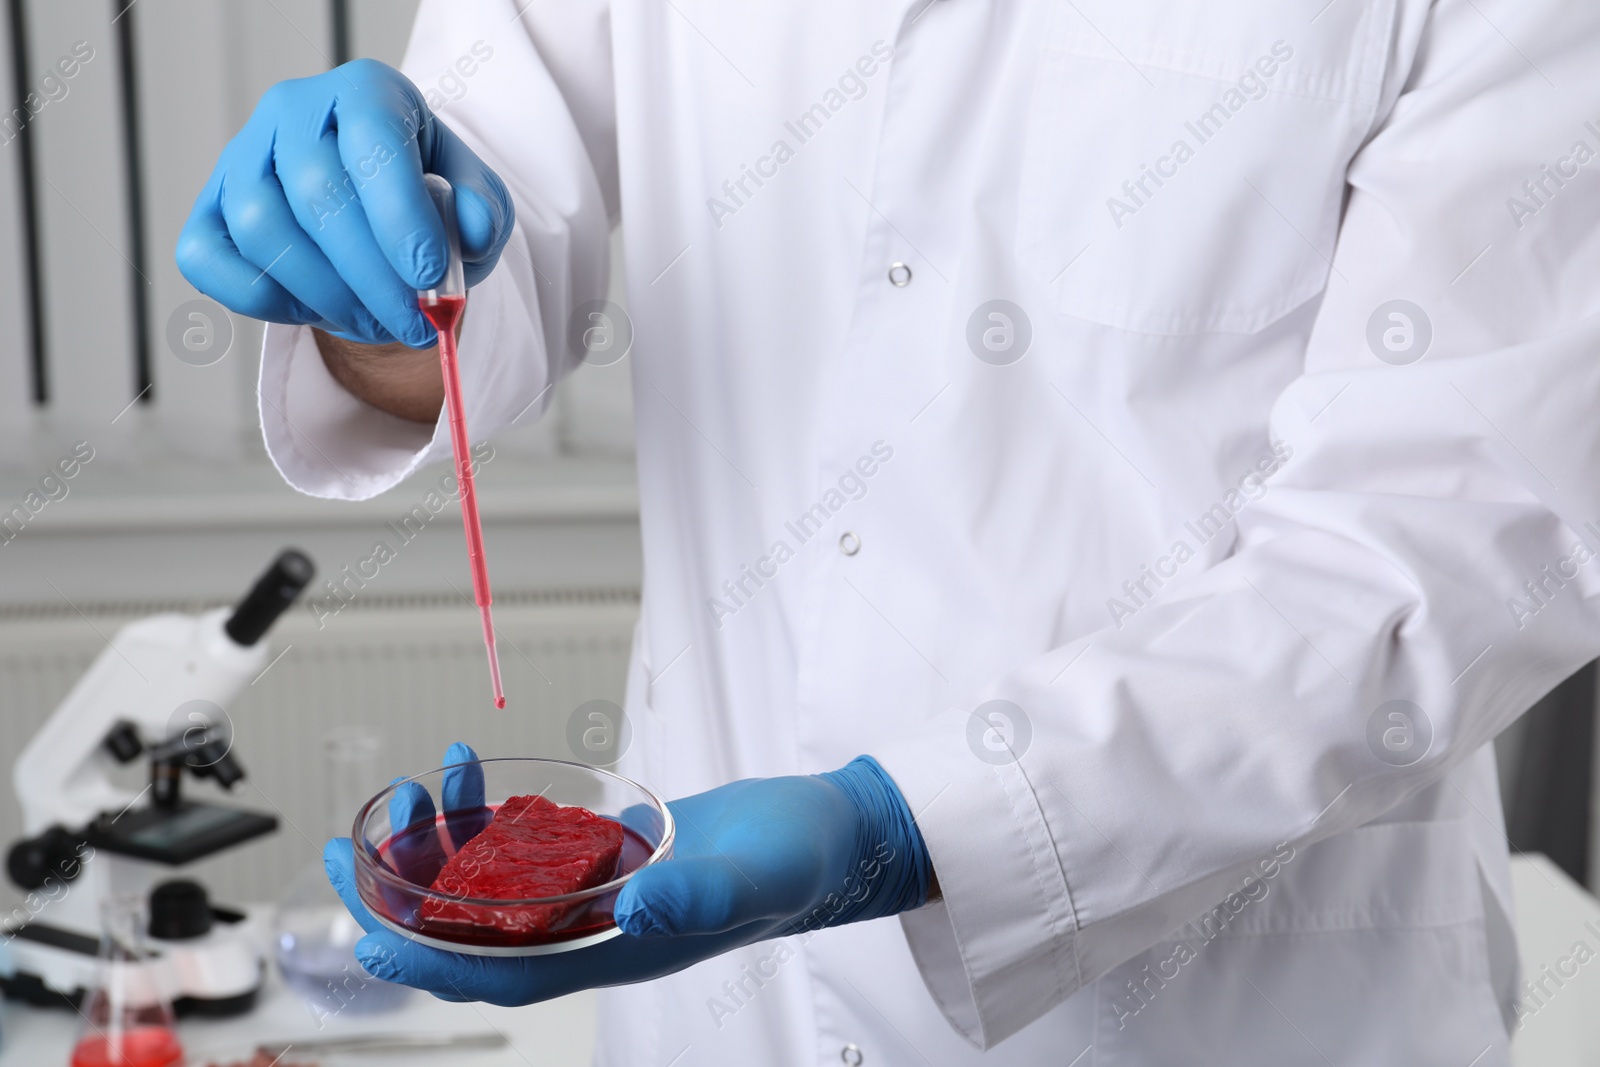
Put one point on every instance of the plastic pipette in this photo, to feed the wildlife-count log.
(442, 306)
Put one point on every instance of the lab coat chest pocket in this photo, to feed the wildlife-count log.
(1184, 163)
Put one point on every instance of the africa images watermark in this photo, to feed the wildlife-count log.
(53, 89)
(999, 732)
(353, 577)
(1543, 588)
(741, 991)
(1399, 332)
(1204, 528)
(449, 87)
(852, 85)
(1537, 992)
(52, 488)
(852, 485)
(1539, 190)
(54, 888)
(342, 990)
(200, 332)
(1251, 85)
(1140, 993)
(599, 732)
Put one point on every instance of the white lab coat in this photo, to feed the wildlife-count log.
(1198, 536)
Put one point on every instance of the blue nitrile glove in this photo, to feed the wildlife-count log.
(759, 858)
(316, 212)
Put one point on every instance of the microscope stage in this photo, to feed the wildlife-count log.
(192, 830)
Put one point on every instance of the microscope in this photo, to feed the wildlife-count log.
(157, 693)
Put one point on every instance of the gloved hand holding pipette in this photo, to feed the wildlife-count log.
(345, 204)
(316, 213)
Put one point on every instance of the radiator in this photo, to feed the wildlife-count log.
(411, 670)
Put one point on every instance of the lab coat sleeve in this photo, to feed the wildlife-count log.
(1428, 541)
(532, 96)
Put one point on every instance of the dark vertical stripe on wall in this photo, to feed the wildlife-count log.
(1549, 810)
(340, 15)
(134, 184)
(27, 184)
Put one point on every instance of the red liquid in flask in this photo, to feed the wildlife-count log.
(444, 312)
(142, 1046)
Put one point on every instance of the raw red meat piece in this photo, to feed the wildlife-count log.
(533, 848)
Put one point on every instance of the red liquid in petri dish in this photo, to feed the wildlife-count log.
(418, 852)
(143, 1046)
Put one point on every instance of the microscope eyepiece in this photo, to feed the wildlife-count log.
(270, 597)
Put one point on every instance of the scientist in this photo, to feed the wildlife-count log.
(1223, 373)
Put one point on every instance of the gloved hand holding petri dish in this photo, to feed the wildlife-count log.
(528, 879)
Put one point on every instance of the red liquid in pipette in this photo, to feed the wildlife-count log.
(444, 312)
(143, 1046)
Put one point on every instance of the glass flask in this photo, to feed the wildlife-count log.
(314, 939)
(127, 1019)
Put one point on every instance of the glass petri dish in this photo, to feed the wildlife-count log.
(396, 865)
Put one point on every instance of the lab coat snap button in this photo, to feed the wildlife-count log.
(899, 275)
(851, 1055)
(849, 543)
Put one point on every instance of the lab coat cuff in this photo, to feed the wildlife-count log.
(326, 442)
(997, 950)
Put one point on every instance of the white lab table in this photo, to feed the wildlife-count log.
(1553, 916)
(556, 1034)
